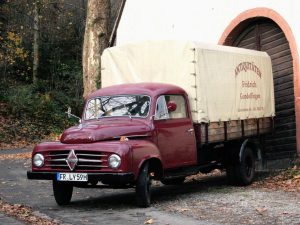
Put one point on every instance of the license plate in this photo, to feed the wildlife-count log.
(72, 176)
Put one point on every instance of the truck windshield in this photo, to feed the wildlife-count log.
(111, 106)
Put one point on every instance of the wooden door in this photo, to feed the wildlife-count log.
(265, 35)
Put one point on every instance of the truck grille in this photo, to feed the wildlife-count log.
(87, 160)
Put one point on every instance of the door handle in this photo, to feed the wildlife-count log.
(191, 130)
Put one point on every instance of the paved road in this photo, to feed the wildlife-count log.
(203, 202)
(9, 220)
(89, 206)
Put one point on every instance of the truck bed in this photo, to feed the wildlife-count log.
(225, 131)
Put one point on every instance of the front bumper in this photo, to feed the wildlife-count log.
(107, 177)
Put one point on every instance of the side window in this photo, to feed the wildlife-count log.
(176, 104)
(161, 111)
(180, 111)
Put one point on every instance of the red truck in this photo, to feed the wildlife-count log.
(133, 133)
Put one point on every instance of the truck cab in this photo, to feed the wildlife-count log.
(127, 133)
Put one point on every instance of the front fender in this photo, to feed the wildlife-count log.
(141, 151)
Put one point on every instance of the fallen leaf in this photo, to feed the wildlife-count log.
(295, 167)
(149, 221)
(261, 210)
(297, 176)
(289, 182)
(183, 210)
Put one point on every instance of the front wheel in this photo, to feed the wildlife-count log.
(62, 192)
(143, 187)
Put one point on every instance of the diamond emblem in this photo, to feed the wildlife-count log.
(72, 160)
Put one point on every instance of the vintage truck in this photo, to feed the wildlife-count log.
(167, 110)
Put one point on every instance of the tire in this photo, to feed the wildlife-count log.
(243, 172)
(173, 181)
(62, 192)
(143, 187)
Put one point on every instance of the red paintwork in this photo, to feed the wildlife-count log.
(175, 143)
(165, 140)
(105, 129)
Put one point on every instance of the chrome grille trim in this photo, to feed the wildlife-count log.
(92, 166)
(56, 155)
(90, 160)
(87, 160)
(58, 165)
(56, 160)
(91, 155)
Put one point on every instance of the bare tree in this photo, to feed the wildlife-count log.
(36, 37)
(95, 41)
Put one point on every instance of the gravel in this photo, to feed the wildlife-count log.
(206, 200)
(234, 205)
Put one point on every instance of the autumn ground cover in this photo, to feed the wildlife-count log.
(25, 214)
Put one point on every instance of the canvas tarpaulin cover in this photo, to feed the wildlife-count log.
(223, 83)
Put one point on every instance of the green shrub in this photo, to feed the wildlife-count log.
(48, 108)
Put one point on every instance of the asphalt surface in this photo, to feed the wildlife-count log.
(204, 201)
(4, 219)
(88, 206)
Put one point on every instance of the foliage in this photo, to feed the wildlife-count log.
(12, 48)
(61, 27)
(13, 55)
(30, 112)
(32, 115)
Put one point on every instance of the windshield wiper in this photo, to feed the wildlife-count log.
(124, 106)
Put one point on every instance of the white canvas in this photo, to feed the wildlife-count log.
(223, 83)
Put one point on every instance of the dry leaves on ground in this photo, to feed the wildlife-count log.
(26, 155)
(24, 213)
(287, 180)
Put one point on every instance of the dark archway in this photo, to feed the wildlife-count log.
(264, 34)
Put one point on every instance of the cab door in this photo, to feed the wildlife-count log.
(175, 132)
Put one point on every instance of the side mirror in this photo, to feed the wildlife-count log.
(171, 106)
(69, 112)
(72, 115)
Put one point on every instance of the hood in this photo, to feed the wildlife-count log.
(104, 130)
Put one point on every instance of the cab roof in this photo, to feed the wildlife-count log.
(151, 89)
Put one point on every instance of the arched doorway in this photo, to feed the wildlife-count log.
(263, 34)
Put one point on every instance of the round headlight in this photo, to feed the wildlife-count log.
(38, 160)
(114, 161)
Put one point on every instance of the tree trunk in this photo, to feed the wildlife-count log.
(95, 41)
(36, 39)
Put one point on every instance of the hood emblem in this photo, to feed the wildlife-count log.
(72, 160)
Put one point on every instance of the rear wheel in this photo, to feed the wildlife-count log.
(242, 173)
(143, 187)
(62, 192)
